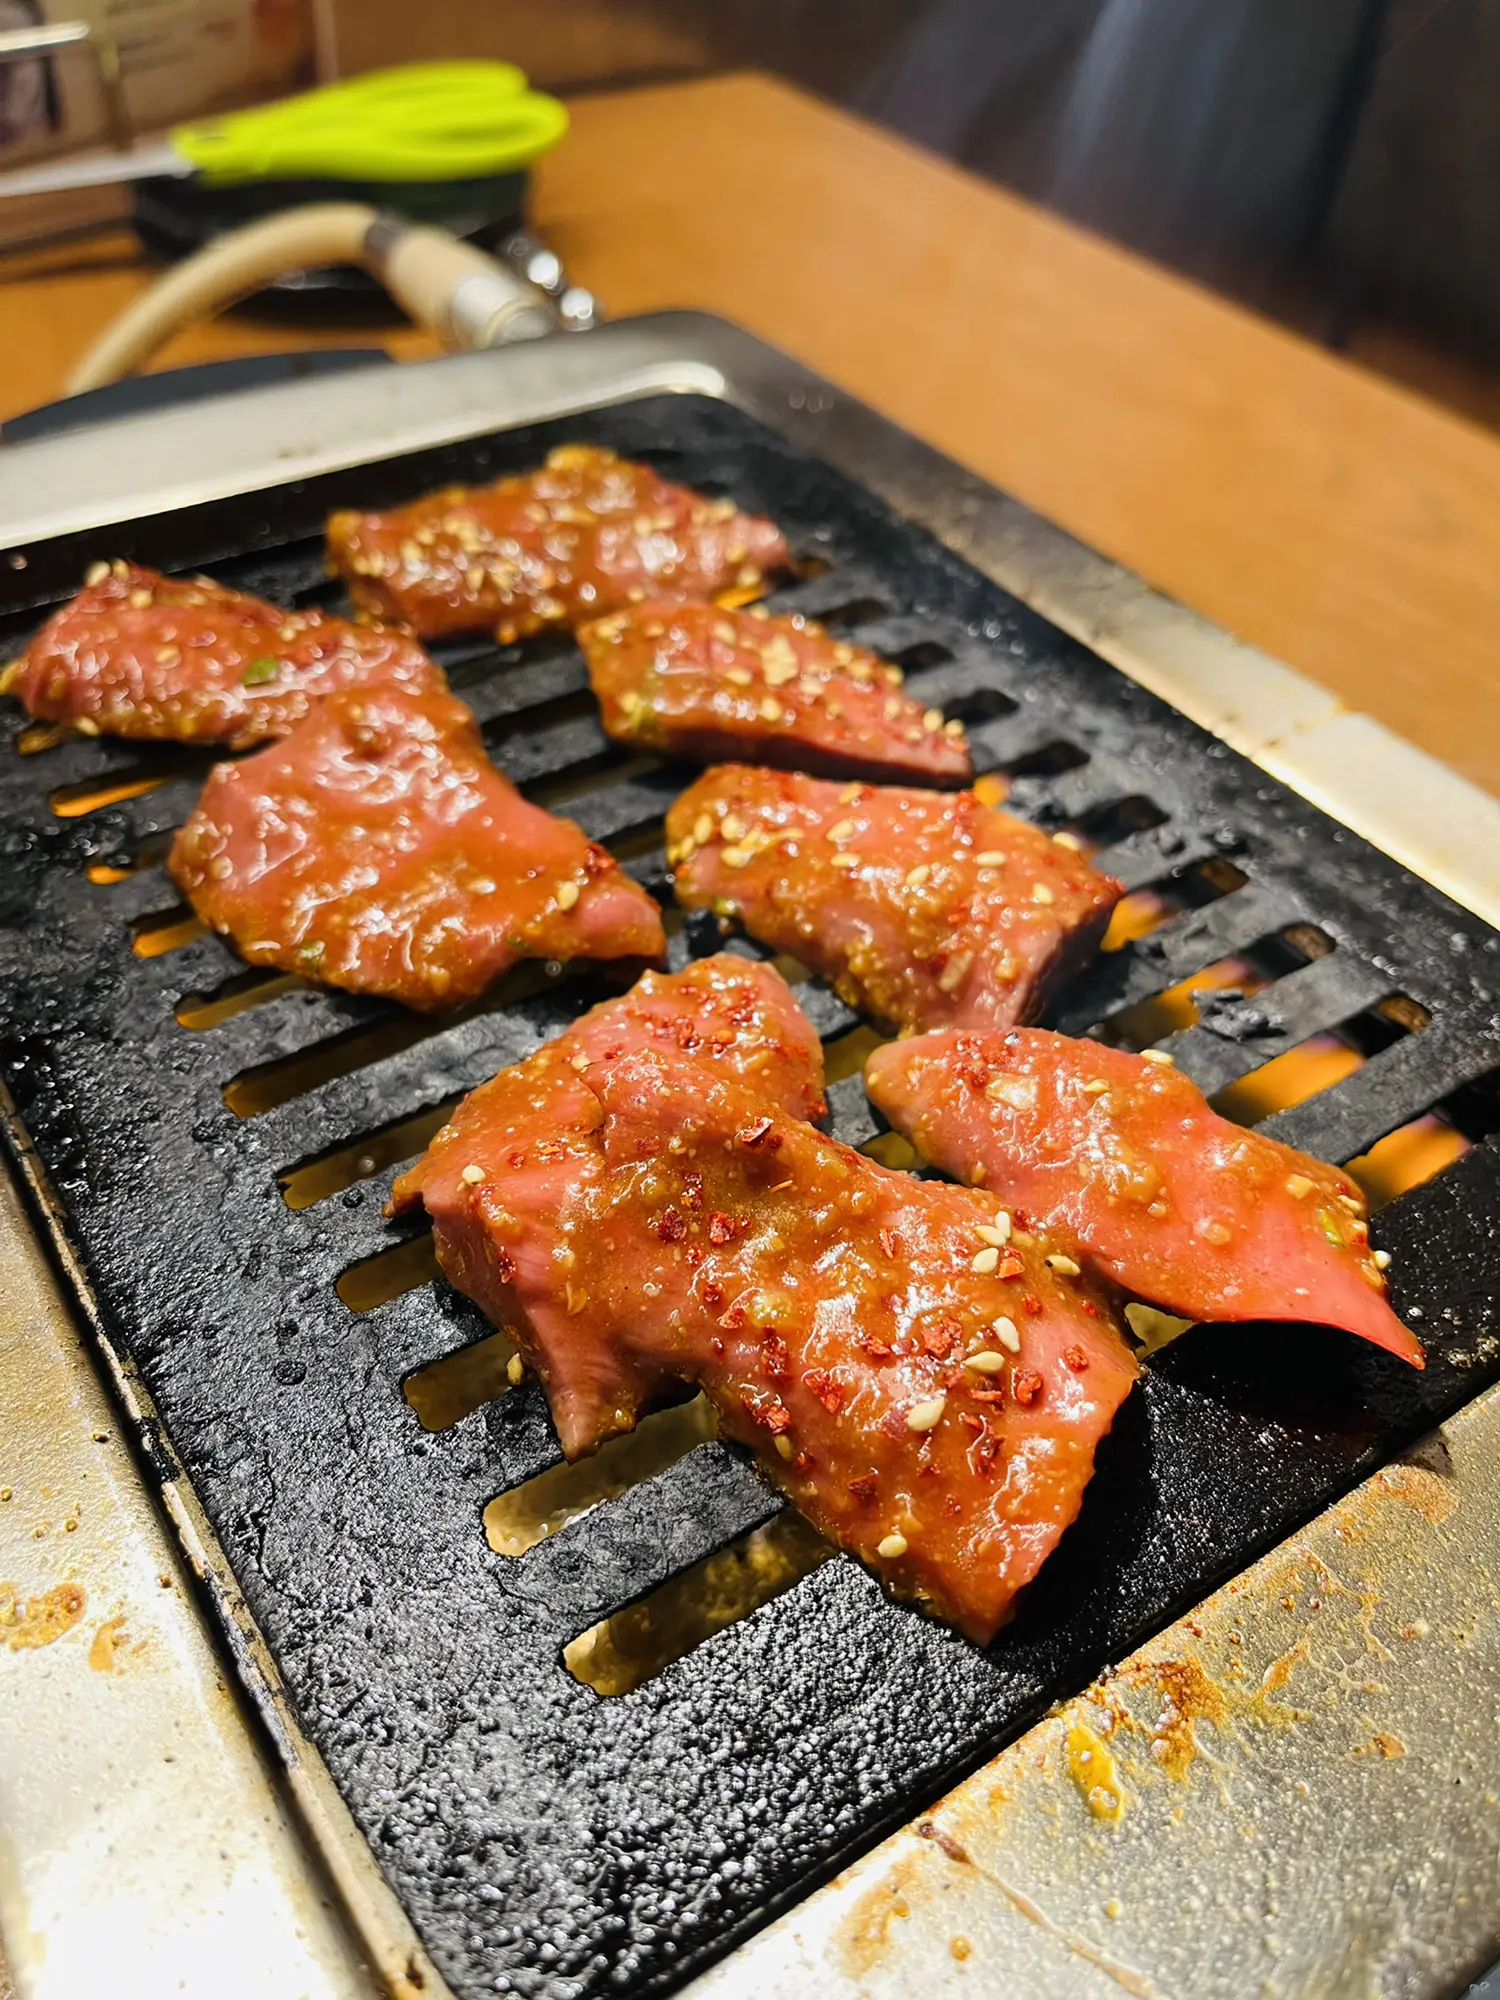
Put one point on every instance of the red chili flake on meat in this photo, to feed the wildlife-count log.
(1090, 1308)
(759, 1134)
(893, 1423)
(734, 1319)
(695, 1254)
(970, 1422)
(720, 1228)
(505, 1264)
(984, 1452)
(1010, 1266)
(717, 1345)
(938, 1338)
(769, 1412)
(773, 1353)
(1026, 1385)
(890, 1243)
(551, 1149)
(517, 1159)
(671, 1225)
(988, 1395)
(864, 1488)
(829, 1392)
(713, 1293)
(1076, 1359)
(692, 1190)
(1031, 1304)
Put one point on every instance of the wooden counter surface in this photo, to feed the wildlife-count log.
(1340, 523)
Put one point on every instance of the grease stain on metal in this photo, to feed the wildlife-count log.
(27, 1623)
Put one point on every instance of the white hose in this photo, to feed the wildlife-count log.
(463, 295)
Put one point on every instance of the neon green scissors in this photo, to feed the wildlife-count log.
(440, 121)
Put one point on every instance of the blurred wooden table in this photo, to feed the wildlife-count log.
(1338, 522)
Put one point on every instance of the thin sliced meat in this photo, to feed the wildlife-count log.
(691, 680)
(928, 1395)
(377, 848)
(524, 1146)
(188, 661)
(924, 910)
(1120, 1158)
(584, 534)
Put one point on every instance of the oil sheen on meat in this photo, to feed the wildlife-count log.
(377, 848)
(498, 1179)
(186, 660)
(923, 909)
(584, 534)
(1121, 1160)
(695, 681)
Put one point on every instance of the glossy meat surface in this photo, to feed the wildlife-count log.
(924, 910)
(499, 1177)
(377, 848)
(184, 659)
(694, 681)
(1122, 1160)
(582, 535)
(929, 1394)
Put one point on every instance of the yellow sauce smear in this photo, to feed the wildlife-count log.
(107, 1641)
(1092, 1769)
(40, 1620)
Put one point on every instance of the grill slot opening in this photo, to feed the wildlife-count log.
(1050, 760)
(541, 1508)
(38, 737)
(166, 930)
(1146, 910)
(331, 1173)
(90, 795)
(1318, 1063)
(637, 841)
(445, 1392)
(632, 1646)
(1427, 1146)
(375, 1281)
(1106, 825)
(149, 852)
(556, 793)
(845, 1056)
(918, 658)
(251, 988)
(889, 1149)
(1407, 1157)
(578, 705)
(978, 705)
(857, 611)
(1175, 1008)
(265, 1086)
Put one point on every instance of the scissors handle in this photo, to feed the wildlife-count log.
(421, 122)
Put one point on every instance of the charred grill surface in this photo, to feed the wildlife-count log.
(543, 1839)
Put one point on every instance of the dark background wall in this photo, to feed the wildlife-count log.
(1334, 162)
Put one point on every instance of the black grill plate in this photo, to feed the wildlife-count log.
(542, 1839)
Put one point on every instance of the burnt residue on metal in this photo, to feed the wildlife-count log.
(546, 1841)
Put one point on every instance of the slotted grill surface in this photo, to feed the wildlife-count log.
(545, 1840)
